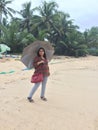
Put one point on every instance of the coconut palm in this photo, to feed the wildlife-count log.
(47, 14)
(92, 36)
(26, 14)
(76, 44)
(5, 10)
(62, 26)
(15, 38)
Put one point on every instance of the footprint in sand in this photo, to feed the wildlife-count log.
(96, 124)
(2, 88)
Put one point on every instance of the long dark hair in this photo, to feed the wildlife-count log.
(44, 52)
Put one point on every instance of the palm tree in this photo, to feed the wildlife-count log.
(5, 10)
(62, 26)
(47, 14)
(76, 44)
(92, 36)
(15, 38)
(26, 14)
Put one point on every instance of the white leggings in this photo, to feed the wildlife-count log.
(36, 85)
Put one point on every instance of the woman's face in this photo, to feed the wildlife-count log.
(41, 52)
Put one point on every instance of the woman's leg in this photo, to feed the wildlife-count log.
(43, 86)
(35, 87)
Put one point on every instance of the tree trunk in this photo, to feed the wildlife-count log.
(0, 22)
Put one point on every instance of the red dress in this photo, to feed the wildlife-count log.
(41, 68)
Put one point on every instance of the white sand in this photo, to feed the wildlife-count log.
(72, 92)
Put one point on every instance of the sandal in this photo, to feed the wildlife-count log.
(30, 99)
(44, 99)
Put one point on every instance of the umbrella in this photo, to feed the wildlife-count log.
(4, 48)
(30, 52)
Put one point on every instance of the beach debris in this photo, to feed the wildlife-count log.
(3, 72)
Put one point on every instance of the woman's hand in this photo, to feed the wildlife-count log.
(40, 62)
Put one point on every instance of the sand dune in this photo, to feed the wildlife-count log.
(72, 92)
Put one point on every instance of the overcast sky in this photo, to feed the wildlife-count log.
(84, 12)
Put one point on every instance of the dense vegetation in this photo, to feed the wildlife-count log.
(45, 22)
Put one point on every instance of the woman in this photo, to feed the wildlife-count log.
(41, 66)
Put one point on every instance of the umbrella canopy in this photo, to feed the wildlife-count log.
(30, 52)
(4, 48)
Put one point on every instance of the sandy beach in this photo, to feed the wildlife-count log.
(72, 93)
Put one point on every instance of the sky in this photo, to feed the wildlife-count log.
(84, 12)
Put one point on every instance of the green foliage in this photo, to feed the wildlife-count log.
(14, 38)
(93, 51)
(48, 23)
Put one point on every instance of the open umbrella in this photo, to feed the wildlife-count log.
(4, 48)
(30, 52)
